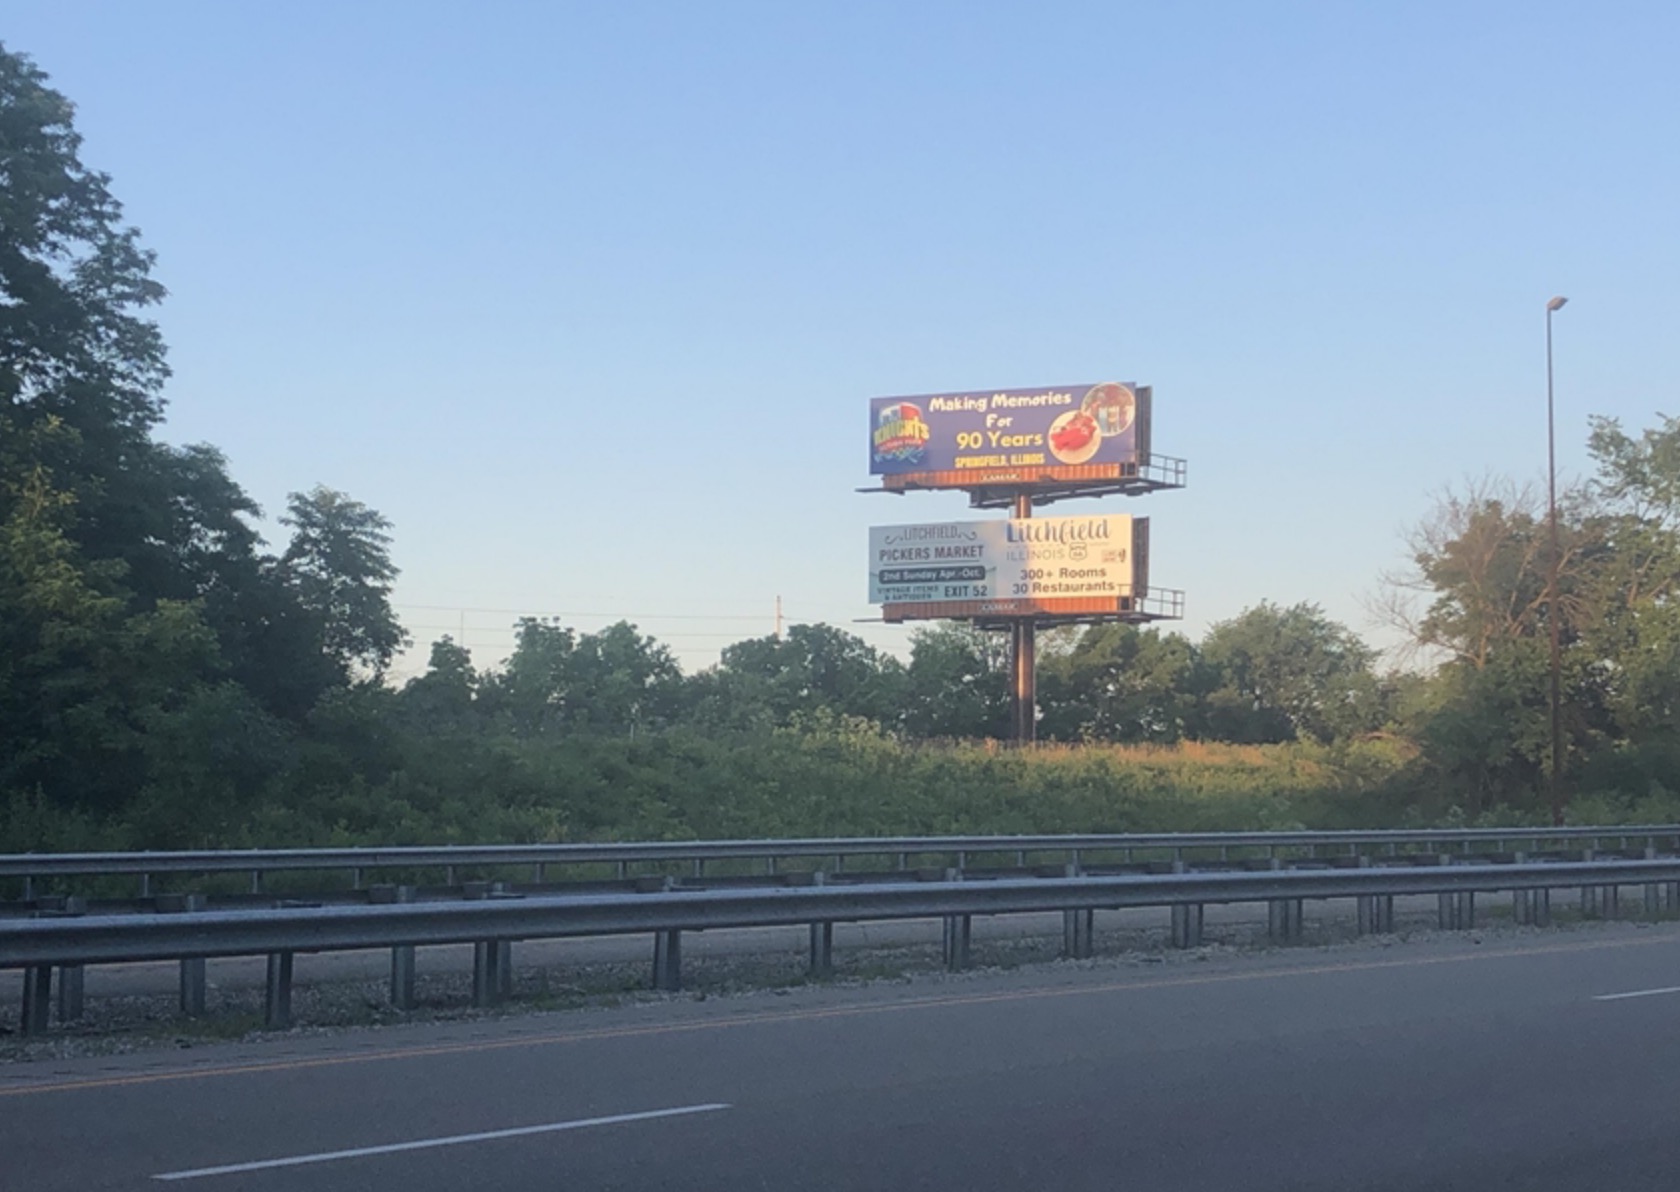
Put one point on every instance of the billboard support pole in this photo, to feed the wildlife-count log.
(1024, 688)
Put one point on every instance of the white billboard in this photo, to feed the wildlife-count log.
(1019, 565)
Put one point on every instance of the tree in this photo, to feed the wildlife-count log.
(1290, 672)
(339, 565)
(74, 277)
(441, 699)
(1630, 615)
(557, 681)
(622, 682)
(815, 668)
(957, 684)
(1115, 682)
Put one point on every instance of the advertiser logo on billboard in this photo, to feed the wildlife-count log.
(1060, 433)
(900, 434)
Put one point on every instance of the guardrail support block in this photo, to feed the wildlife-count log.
(277, 1003)
(822, 950)
(667, 960)
(37, 999)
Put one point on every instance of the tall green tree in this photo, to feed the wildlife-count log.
(812, 669)
(1119, 683)
(75, 279)
(1287, 673)
(957, 683)
(339, 564)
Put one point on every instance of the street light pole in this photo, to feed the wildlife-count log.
(1552, 308)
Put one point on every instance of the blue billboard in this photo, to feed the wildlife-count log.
(1025, 436)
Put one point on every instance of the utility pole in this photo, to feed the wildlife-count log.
(1552, 619)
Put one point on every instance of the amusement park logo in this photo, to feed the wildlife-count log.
(900, 434)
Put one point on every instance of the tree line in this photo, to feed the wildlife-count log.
(168, 677)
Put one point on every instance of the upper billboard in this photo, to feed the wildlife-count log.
(1060, 434)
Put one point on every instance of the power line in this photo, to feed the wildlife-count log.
(524, 612)
(510, 631)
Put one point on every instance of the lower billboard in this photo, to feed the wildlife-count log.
(1019, 567)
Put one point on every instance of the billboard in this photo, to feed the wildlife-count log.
(1060, 434)
(1016, 567)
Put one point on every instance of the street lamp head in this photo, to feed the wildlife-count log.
(1556, 303)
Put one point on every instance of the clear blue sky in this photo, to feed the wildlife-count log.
(589, 298)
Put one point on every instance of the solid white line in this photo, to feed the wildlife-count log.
(1616, 997)
(427, 1143)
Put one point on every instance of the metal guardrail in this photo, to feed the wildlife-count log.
(33, 866)
(491, 924)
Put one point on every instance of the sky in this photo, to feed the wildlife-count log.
(589, 299)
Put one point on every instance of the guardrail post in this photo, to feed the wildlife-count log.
(1457, 911)
(1365, 905)
(402, 955)
(1283, 915)
(192, 968)
(70, 976)
(71, 984)
(1077, 925)
(492, 959)
(1589, 894)
(37, 998)
(822, 951)
(1186, 919)
(958, 929)
(667, 960)
(822, 940)
(1449, 908)
(277, 1002)
(1187, 925)
(958, 936)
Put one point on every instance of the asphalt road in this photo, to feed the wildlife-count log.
(1443, 1064)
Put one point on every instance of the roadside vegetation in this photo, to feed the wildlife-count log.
(168, 678)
